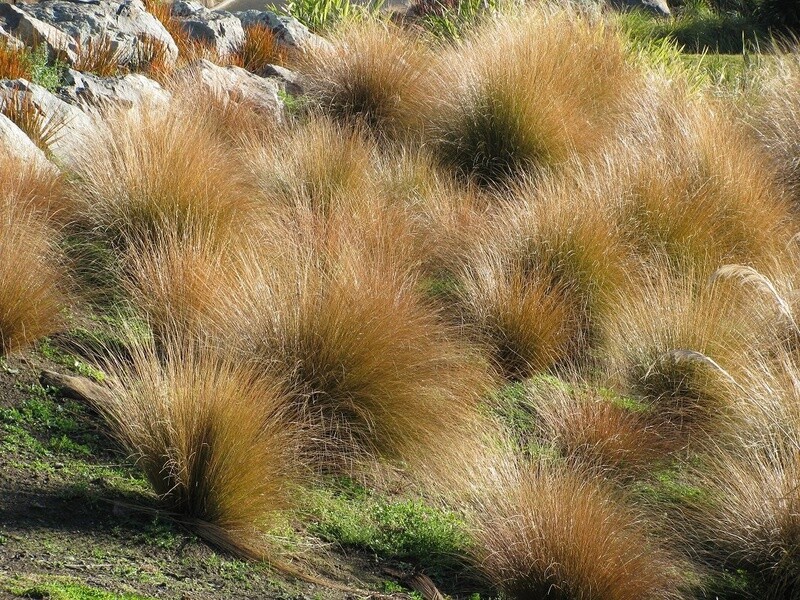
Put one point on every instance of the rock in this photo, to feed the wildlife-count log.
(16, 145)
(289, 33)
(31, 31)
(9, 40)
(287, 80)
(98, 96)
(219, 28)
(74, 128)
(656, 7)
(234, 84)
(125, 23)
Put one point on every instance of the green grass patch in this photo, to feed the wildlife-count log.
(59, 588)
(404, 529)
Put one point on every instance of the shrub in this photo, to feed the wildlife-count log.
(527, 93)
(209, 434)
(324, 16)
(553, 534)
(376, 75)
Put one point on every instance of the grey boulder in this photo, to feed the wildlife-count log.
(16, 145)
(126, 25)
(220, 29)
(238, 86)
(99, 96)
(289, 33)
(73, 128)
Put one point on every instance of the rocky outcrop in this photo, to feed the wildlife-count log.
(289, 33)
(15, 144)
(234, 84)
(72, 126)
(30, 31)
(67, 26)
(100, 95)
(656, 7)
(220, 29)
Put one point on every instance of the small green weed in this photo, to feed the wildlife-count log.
(47, 75)
(51, 352)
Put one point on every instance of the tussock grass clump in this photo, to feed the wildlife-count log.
(42, 130)
(542, 276)
(163, 171)
(550, 533)
(259, 51)
(777, 122)
(99, 56)
(682, 345)
(210, 436)
(15, 63)
(318, 166)
(750, 521)
(369, 360)
(31, 278)
(376, 75)
(695, 189)
(529, 92)
(596, 431)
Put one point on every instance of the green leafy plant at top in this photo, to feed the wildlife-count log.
(452, 20)
(324, 15)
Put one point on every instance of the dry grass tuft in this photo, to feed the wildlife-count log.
(376, 75)
(209, 434)
(550, 533)
(597, 432)
(259, 51)
(694, 188)
(31, 280)
(777, 123)
(14, 62)
(682, 345)
(319, 166)
(25, 114)
(529, 91)
(99, 56)
(541, 277)
(164, 171)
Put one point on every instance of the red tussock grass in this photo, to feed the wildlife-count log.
(551, 533)
(541, 277)
(164, 172)
(529, 92)
(210, 435)
(693, 188)
(682, 345)
(31, 278)
(595, 431)
(375, 75)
